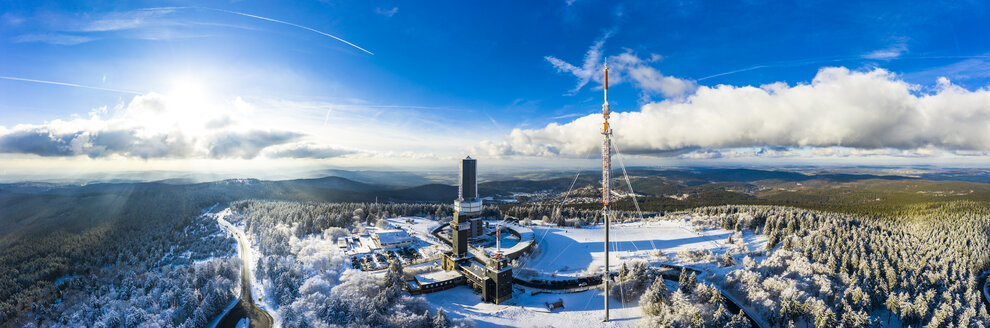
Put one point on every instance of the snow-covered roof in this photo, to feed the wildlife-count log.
(475, 269)
(418, 224)
(392, 236)
(526, 238)
(439, 276)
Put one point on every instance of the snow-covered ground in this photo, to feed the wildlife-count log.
(419, 226)
(221, 219)
(567, 251)
(562, 252)
(427, 245)
(581, 309)
(257, 288)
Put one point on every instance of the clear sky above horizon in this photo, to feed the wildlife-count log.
(179, 85)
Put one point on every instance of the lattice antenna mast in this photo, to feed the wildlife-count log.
(498, 239)
(606, 183)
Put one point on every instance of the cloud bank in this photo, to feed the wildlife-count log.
(155, 126)
(840, 108)
(306, 150)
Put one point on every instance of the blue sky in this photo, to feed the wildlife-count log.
(450, 78)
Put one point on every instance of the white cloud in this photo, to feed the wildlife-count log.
(387, 12)
(306, 150)
(973, 68)
(892, 52)
(702, 154)
(11, 19)
(54, 38)
(889, 152)
(126, 20)
(77, 29)
(589, 69)
(866, 110)
(151, 126)
(647, 78)
(623, 67)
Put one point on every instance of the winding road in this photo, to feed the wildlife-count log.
(245, 308)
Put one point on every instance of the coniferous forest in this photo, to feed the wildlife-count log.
(148, 256)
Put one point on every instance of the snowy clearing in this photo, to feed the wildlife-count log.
(567, 251)
(581, 309)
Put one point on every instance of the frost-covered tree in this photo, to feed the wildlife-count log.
(703, 306)
(656, 298)
(687, 282)
(826, 269)
(440, 320)
(311, 279)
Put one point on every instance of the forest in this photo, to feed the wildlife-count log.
(823, 269)
(122, 254)
(113, 259)
(856, 254)
(307, 276)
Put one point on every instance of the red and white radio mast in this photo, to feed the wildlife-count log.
(606, 182)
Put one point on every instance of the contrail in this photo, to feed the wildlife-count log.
(734, 72)
(571, 115)
(291, 24)
(792, 63)
(266, 19)
(11, 78)
(833, 60)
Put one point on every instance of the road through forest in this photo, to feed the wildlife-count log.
(245, 308)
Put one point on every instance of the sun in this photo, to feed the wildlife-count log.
(191, 104)
(188, 89)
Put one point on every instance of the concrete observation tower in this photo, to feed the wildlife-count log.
(492, 276)
(467, 206)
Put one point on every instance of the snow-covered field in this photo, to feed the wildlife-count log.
(419, 226)
(561, 252)
(582, 309)
(567, 252)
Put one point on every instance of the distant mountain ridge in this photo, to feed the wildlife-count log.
(338, 188)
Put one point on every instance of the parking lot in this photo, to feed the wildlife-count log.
(380, 259)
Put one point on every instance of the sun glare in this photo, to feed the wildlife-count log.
(191, 104)
(187, 89)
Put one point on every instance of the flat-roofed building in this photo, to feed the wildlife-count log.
(434, 281)
(391, 238)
